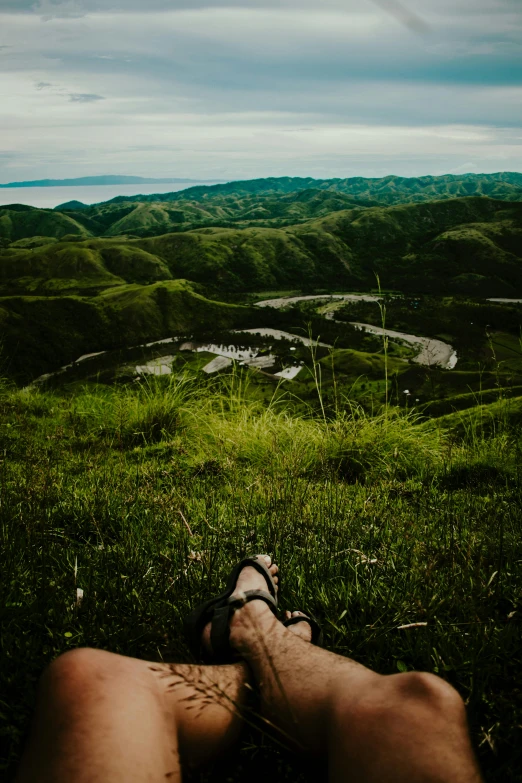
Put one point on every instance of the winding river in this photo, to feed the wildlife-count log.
(432, 352)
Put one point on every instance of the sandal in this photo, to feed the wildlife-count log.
(317, 632)
(219, 610)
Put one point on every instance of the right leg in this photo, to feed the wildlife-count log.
(407, 727)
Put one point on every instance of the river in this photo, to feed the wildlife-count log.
(432, 352)
(284, 301)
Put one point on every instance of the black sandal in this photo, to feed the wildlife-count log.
(317, 632)
(219, 610)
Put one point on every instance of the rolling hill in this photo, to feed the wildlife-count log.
(69, 293)
(506, 186)
(40, 334)
(268, 203)
(19, 222)
(471, 245)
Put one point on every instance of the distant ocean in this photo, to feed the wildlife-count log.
(48, 198)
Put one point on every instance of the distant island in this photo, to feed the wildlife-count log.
(103, 180)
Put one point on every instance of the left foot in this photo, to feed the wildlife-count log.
(303, 629)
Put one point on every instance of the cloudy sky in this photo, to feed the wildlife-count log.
(228, 89)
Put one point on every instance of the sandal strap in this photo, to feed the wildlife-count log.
(240, 599)
(210, 611)
(220, 629)
(261, 567)
(314, 625)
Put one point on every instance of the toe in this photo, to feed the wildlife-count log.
(302, 630)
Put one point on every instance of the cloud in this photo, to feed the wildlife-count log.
(85, 97)
(406, 11)
(63, 9)
(404, 15)
(240, 87)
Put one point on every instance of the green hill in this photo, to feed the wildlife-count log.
(464, 245)
(275, 202)
(18, 221)
(471, 245)
(506, 186)
(61, 297)
(68, 267)
(143, 217)
(270, 203)
(40, 334)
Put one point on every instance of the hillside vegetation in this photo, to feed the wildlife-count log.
(141, 218)
(506, 186)
(18, 222)
(40, 334)
(144, 496)
(272, 202)
(61, 296)
(464, 244)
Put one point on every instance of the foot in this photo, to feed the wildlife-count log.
(303, 629)
(249, 579)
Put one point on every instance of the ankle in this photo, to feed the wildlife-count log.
(250, 625)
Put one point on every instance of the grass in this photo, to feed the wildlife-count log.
(144, 495)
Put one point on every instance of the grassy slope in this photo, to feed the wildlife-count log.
(375, 522)
(19, 222)
(448, 245)
(149, 219)
(269, 203)
(41, 334)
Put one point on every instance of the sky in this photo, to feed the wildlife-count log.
(235, 89)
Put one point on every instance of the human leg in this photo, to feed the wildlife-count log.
(406, 727)
(105, 717)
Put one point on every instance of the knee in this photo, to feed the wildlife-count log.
(407, 702)
(78, 674)
(420, 689)
(416, 702)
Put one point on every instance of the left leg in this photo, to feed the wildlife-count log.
(105, 717)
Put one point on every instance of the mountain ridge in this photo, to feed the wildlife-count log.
(471, 245)
(389, 189)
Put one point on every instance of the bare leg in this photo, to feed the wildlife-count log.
(103, 717)
(408, 727)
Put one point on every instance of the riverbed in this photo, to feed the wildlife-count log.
(286, 301)
(432, 352)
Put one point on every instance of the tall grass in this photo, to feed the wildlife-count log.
(144, 496)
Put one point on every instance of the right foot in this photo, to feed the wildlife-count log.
(249, 579)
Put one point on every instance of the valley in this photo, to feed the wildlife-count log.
(77, 281)
(330, 371)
